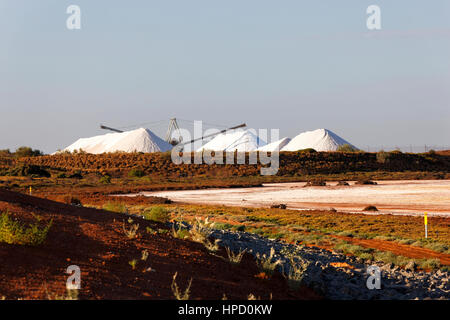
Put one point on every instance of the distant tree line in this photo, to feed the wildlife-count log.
(21, 152)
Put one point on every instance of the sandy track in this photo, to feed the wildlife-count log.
(394, 197)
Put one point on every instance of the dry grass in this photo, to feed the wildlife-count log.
(130, 231)
(176, 290)
(266, 262)
(235, 258)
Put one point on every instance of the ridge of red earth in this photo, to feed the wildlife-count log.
(95, 241)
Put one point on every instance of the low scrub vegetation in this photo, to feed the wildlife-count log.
(157, 214)
(15, 232)
(200, 232)
(347, 148)
(235, 258)
(131, 230)
(266, 263)
(115, 207)
(297, 268)
(136, 173)
(177, 293)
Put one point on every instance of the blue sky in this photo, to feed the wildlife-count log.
(289, 64)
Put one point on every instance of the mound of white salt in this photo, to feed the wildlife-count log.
(319, 140)
(275, 146)
(139, 140)
(236, 140)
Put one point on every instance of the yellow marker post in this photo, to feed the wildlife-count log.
(31, 191)
(425, 220)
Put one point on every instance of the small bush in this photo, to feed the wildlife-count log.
(383, 157)
(223, 226)
(430, 264)
(131, 231)
(180, 232)
(27, 152)
(176, 290)
(347, 148)
(14, 232)
(365, 182)
(265, 262)
(136, 173)
(29, 170)
(278, 206)
(307, 150)
(235, 258)
(297, 268)
(343, 183)
(200, 232)
(115, 207)
(158, 214)
(105, 179)
(370, 208)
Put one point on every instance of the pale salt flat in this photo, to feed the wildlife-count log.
(395, 197)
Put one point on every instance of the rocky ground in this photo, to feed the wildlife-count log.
(343, 283)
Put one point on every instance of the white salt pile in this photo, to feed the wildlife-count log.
(236, 140)
(275, 146)
(139, 140)
(319, 140)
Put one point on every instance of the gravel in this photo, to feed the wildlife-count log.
(346, 283)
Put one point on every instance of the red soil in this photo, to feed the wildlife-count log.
(399, 249)
(95, 241)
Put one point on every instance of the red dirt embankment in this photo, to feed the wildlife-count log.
(95, 241)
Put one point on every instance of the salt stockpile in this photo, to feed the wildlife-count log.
(319, 140)
(236, 140)
(139, 140)
(275, 146)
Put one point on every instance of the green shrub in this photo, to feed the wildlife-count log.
(27, 152)
(307, 150)
(223, 226)
(180, 232)
(429, 264)
(5, 153)
(29, 170)
(137, 173)
(14, 232)
(115, 207)
(347, 148)
(158, 214)
(105, 179)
